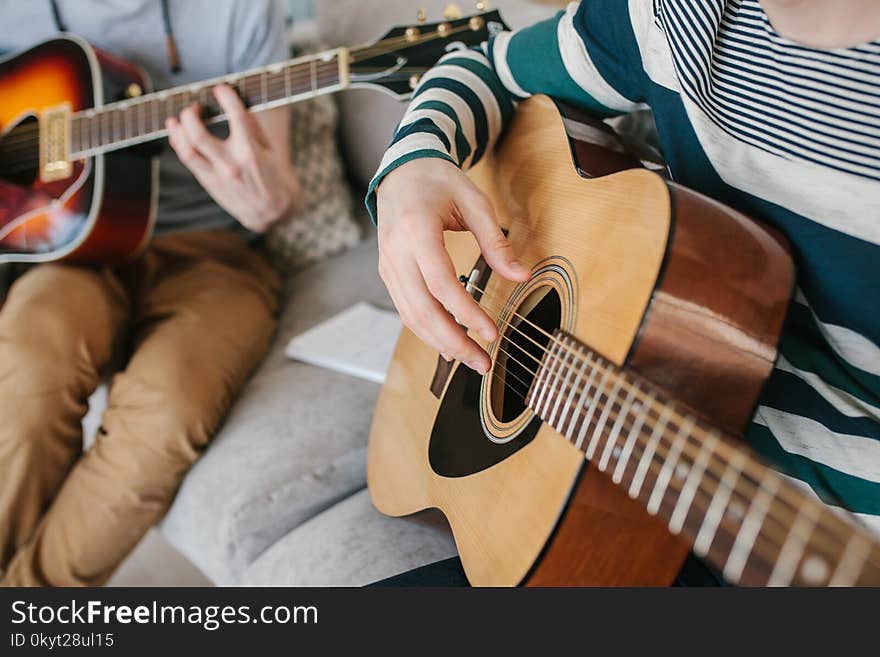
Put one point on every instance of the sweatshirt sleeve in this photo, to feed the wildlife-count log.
(463, 104)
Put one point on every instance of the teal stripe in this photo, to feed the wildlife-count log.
(490, 79)
(536, 64)
(804, 346)
(833, 486)
(403, 159)
(461, 142)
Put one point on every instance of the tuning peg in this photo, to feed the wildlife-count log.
(421, 17)
(452, 12)
(482, 5)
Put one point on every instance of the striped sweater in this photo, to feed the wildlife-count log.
(785, 133)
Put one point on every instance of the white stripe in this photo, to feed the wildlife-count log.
(440, 120)
(841, 201)
(858, 456)
(582, 69)
(475, 84)
(869, 522)
(459, 106)
(853, 347)
(842, 401)
(653, 46)
(502, 68)
(410, 143)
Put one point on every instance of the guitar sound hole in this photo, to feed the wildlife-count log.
(522, 346)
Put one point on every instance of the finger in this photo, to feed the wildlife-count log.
(392, 283)
(205, 143)
(478, 216)
(438, 273)
(186, 152)
(241, 123)
(429, 318)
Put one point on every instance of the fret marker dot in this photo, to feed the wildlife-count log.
(637, 408)
(735, 511)
(814, 569)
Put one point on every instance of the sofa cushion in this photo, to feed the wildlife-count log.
(293, 444)
(352, 544)
(369, 117)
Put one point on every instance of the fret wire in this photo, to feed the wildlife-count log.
(576, 385)
(579, 407)
(610, 444)
(749, 529)
(96, 138)
(585, 422)
(685, 498)
(553, 379)
(558, 402)
(794, 547)
(603, 417)
(718, 506)
(857, 548)
(540, 383)
(669, 465)
(632, 438)
(648, 453)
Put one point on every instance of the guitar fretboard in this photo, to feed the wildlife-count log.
(757, 527)
(140, 119)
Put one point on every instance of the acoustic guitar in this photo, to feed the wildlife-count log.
(603, 444)
(76, 181)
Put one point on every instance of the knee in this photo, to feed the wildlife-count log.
(176, 418)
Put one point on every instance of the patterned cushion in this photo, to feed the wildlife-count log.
(325, 225)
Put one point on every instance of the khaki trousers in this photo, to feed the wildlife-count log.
(194, 314)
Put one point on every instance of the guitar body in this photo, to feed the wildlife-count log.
(630, 265)
(104, 210)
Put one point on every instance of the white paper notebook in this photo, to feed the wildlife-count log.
(358, 341)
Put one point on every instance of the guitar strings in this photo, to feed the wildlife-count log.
(689, 448)
(360, 53)
(774, 537)
(19, 142)
(677, 418)
(655, 468)
(356, 54)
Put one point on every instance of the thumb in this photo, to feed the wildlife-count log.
(479, 218)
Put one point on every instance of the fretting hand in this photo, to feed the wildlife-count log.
(248, 174)
(416, 203)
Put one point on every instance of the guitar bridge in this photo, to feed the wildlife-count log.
(55, 161)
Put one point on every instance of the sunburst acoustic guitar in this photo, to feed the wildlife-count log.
(603, 444)
(76, 181)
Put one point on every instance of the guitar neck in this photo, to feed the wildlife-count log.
(749, 521)
(142, 119)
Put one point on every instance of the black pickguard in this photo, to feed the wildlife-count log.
(459, 446)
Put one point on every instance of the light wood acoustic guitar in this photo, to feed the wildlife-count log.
(603, 444)
(76, 181)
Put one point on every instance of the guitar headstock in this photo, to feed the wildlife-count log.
(396, 62)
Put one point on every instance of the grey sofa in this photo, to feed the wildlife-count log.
(280, 496)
